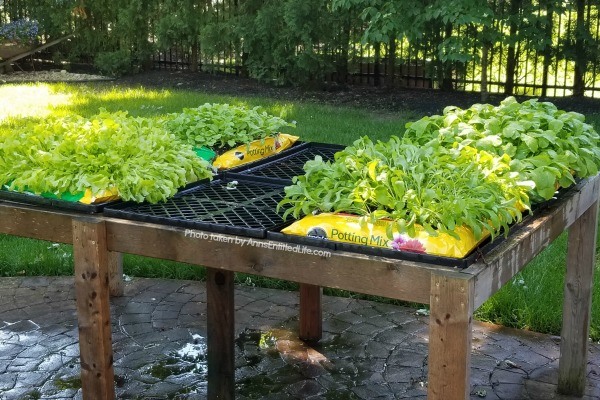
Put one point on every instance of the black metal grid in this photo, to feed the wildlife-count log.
(243, 206)
(284, 168)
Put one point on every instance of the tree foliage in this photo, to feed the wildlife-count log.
(302, 41)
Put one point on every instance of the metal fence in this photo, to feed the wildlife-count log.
(519, 64)
(523, 68)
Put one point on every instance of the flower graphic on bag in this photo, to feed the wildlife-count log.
(413, 245)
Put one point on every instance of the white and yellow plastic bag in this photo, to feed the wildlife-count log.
(349, 229)
(254, 151)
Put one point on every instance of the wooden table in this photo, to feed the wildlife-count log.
(453, 294)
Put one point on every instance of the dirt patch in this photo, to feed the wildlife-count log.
(50, 76)
(422, 101)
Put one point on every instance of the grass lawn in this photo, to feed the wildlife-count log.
(532, 300)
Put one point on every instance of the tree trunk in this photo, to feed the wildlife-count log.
(547, 48)
(391, 62)
(511, 60)
(194, 57)
(377, 65)
(447, 68)
(580, 56)
(484, 75)
(343, 55)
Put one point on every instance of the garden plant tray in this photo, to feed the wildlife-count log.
(233, 206)
(283, 167)
(33, 199)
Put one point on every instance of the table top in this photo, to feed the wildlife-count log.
(371, 274)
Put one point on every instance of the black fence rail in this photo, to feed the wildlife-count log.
(541, 47)
(523, 67)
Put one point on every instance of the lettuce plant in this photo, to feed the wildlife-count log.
(547, 146)
(137, 156)
(223, 125)
(436, 187)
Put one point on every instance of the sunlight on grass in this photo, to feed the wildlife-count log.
(20, 101)
(137, 101)
(134, 96)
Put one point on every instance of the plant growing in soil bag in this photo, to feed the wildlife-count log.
(433, 188)
(221, 126)
(547, 146)
(107, 153)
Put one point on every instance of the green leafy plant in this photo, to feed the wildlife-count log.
(547, 146)
(223, 125)
(107, 151)
(114, 63)
(432, 186)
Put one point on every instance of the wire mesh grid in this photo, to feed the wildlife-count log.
(227, 206)
(288, 167)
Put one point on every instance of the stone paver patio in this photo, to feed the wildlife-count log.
(369, 350)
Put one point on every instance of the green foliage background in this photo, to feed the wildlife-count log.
(302, 41)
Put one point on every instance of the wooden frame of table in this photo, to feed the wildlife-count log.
(453, 294)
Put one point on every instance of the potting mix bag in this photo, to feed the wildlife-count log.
(86, 197)
(348, 229)
(254, 151)
(82, 197)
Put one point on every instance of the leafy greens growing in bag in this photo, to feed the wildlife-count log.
(219, 126)
(107, 153)
(547, 146)
(434, 187)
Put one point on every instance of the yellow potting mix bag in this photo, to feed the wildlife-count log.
(86, 197)
(82, 197)
(348, 229)
(256, 150)
(106, 195)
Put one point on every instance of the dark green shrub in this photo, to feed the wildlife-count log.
(113, 63)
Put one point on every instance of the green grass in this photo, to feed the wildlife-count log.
(315, 122)
(532, 300)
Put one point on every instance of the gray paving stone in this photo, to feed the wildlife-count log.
(8, 380)
(370, 350)
(21, 393)
(9, 350)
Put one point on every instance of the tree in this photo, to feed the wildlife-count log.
(419, 20)
(180, 23)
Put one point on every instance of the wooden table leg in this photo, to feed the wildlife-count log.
(93, 311)
(220, 335)
(115, 273)
(311, 314)
(577, 303)
(450, 332)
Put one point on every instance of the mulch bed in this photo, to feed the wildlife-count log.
(422, 101)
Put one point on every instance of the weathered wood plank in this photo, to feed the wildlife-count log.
(521, 247)
(311, 313)
(39, 48)
(93, 310)
(360, 273)
(115, 273)
(577, 303)
(35, 223)
(450, 333)
(220, 336)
